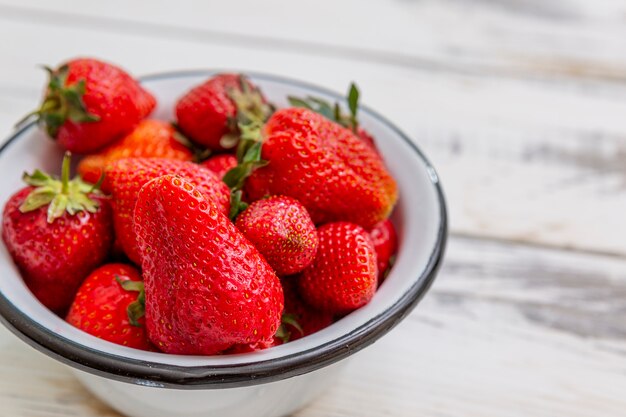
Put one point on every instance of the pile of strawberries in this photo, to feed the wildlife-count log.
(236, 228)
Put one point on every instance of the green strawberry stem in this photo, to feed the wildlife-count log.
(62, 103)
(65, 173)
(136, 309)
(60, 195)
(288, 319)
(333, 112)
(252, 113)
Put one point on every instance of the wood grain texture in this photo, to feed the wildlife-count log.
(528, 157)
(506, 331)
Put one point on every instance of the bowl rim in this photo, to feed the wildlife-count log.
(154, 374)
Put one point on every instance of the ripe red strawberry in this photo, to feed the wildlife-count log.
(385, 242)
(149, 139)
(343, 276)
(57, 232)
(298, 320)
(125, 177)
(220, 164)
(90, 103)
(334, 113)
(309, 320)
(207, 287)
(282, 230)
(109, 305)
(325, 167)
(208, 113)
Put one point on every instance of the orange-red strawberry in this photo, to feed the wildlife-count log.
(149, 139)
(57, 232)
(208, 113)
(220, 164)
(90, 103)
(109, 305)
(344, 275)
(385, 242)
(282, 230)
(335, 175)
(125, 177)
(207, 287)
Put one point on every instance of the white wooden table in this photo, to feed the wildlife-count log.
(521, 104)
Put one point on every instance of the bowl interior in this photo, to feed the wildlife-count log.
(419, 216)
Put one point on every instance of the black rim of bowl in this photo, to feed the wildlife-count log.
(155, 374)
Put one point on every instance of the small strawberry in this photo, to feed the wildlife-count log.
(344, 275)
(209, 113)
(299, 318)
(282, 230)
(110, 305)
(125, 177)
(90, 103)
(149, 139)
(324, 166)
(207, 287)
(385, 242)
(334, 113)
(57, 232)
(220, 164)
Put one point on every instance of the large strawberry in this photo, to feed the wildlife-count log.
(385, 242)
(125, 177)
(282, 230)
(334, 112)
(110, 305)
(149, 139)
(343, 276)
(90, 103)
(209, 113)
(57, 232)
(335, 175)
(207, 287)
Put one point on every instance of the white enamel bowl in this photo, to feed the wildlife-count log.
(274, 382)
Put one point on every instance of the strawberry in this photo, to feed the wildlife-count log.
(334, 113)
(150, 138)
(325, 167)
(208, 113)
(299, 318)
(220, 164)
(90, 103)
(125, 177)
(109, 305)
(282, 230)
(343, 276)
(385, 242)
(207, 287)
(57, 232)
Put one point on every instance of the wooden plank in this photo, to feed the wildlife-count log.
(520, 159)
(565, 38)
(506, 331)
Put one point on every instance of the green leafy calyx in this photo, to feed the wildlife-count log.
(60, 195)
(136, 309)
(252, 112)
(288, 319)
(333, 111)
(62, 103)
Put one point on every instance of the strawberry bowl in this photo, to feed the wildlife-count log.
(271, 382)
